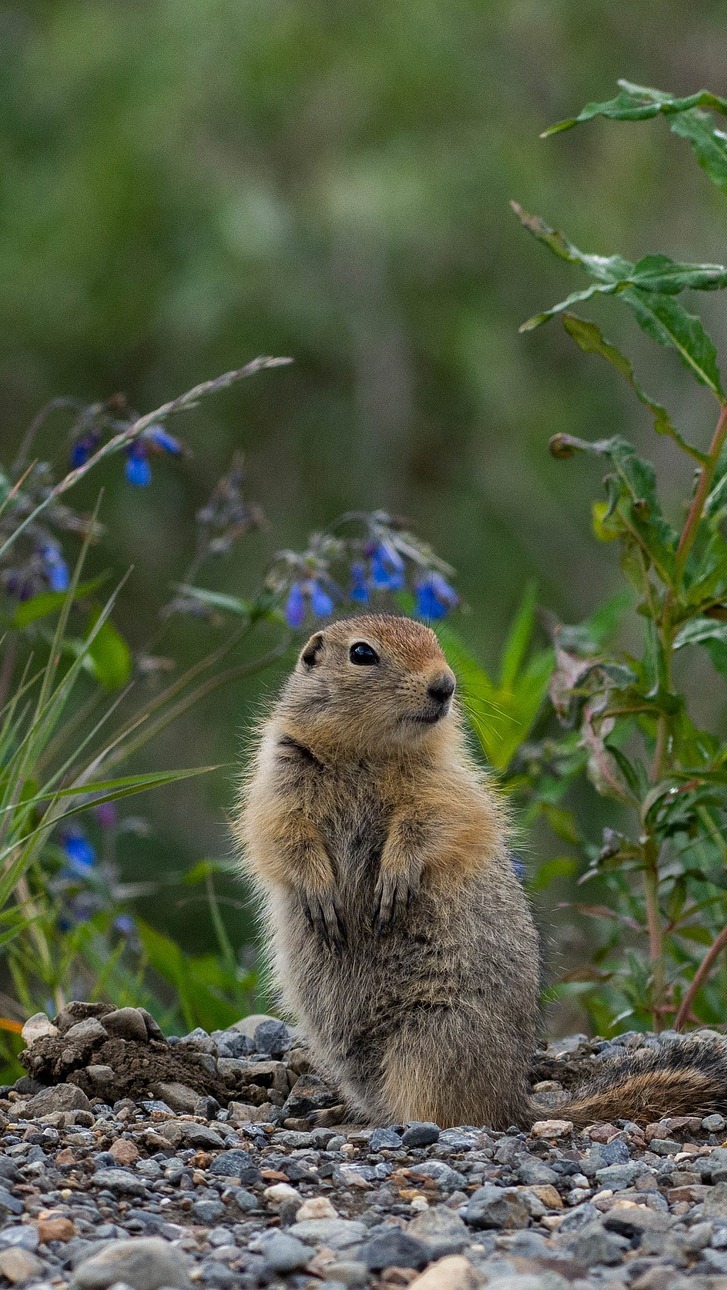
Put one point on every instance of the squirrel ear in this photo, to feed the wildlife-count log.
(309, 657)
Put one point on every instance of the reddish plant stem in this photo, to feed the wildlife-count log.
(699, 978)
(689, 532)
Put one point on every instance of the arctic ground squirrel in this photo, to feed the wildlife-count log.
(399, 936)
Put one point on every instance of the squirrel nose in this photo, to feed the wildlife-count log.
(441, 688)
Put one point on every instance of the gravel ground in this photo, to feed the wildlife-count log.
(252, 1182)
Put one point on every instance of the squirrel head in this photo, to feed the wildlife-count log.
(374, 684)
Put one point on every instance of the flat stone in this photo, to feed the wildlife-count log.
(337, 1233)
(618, 1177)
(120, 1181)
(236, 1164)
(203, 1137)
(55, 1228)
(714, 1204)
(393, 1248)
(441, 1229)
(84, 1035)
(102, 1077)
(178, 1097)
(451, 1273)
(124, 1151)
(19, 1265)
(498, 1207)
(62, 1097)
(285, 1253)
(633, 1220)
(421, 1135)
(145, 1263)
(552, 1128)
(22, 1235)
(245, 1113)
(594, 1245)
(309, 1094)
(385, 1139)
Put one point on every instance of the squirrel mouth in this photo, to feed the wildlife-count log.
(431, 716)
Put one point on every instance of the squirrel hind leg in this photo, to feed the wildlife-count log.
(425, 1081)
(681, 1077)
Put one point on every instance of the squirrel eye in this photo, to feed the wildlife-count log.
(363, 654)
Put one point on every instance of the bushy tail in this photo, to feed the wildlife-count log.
(680, 1077)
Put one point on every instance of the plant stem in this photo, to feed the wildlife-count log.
(654, 928)
(689, 532)
(699, 977)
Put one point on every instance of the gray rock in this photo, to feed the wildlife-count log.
(442, 1230)
(246, 1200)
(272, 1037)
(384, 1139)
(346, 1272)
(208, 1211)
(713, 1123)
(446, 1178)
(498, 1207)
(309, 1094)
(13, 1204)
(236, 1164)
(535, 1172)
(579, 1216)
(146, 1263)
(85, 1035)
(22, 1235)
(120, 1181)
(178, 1097)
(102, 1077)
(248, 1025)
(202, 1136)
(62, 1097)
(619, 1177)
(338, 1233)
(421, 1135)
(715, 1202)
(594, 1245)
(286, 1253)
(392, 1247)
(127, 1023)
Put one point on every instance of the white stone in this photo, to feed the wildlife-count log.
(39, 1026)
(316, 1207)
(453, 1273)
(552, 1128)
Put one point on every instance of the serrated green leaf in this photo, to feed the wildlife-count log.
(591, 340)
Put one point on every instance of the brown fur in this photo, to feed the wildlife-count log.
(399, 936)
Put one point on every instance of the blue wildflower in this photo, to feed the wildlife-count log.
(79, 852)
(83, 448)
(320, 601)
(295, 606)
(55, 567)
(161, 440)
(124, 924)
(434, 596)
(106, 815)
(359, 589)
(137, 469)
(387, 568)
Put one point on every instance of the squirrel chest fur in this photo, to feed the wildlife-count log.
(398, 935)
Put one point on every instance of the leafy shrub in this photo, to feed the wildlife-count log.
(660, 957)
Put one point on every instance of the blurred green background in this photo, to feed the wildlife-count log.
(188, 184)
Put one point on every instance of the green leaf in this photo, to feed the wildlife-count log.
(646, 288)
(672, 325)
(48, 601)
(699, 630)
(518, 639)
(109, 656)
(550, 870)
(685, 115)
(218, 600)
(708, 144)
(591, 340)
(638, 103)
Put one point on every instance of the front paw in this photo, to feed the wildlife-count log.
(393, 894)
(324, 916)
